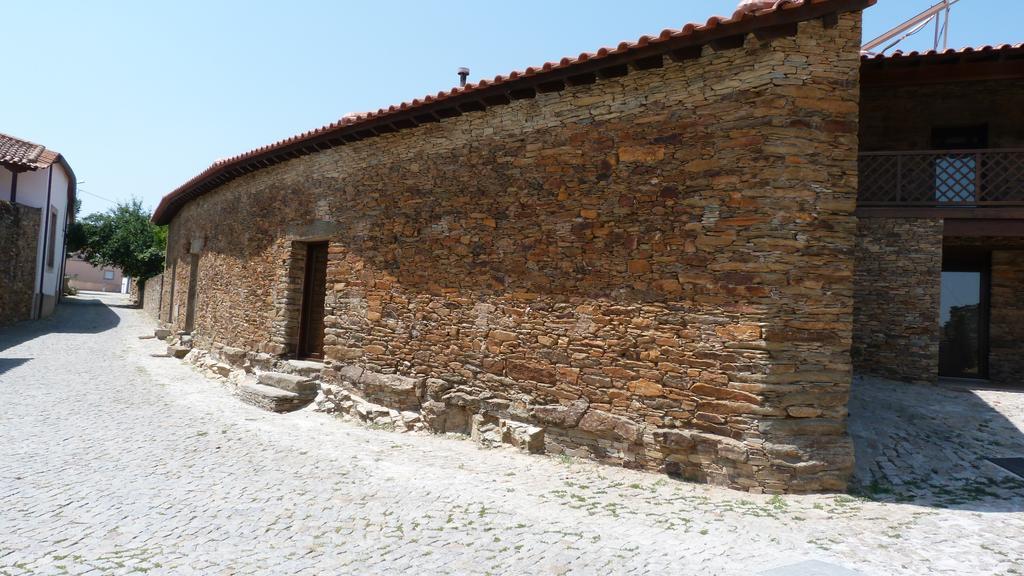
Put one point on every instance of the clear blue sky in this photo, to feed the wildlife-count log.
(141, 96)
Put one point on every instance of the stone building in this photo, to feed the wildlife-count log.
(941, 215)
(645, 255)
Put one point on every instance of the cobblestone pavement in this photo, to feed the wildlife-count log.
(114, 462)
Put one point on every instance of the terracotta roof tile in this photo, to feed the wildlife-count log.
(218, 171)
(967, 50)
(24, 155)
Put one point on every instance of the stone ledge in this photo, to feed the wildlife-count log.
(289, 382)
(270, 398)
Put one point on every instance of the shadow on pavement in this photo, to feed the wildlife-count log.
(11, 363)
(73, 316)
(930, 446)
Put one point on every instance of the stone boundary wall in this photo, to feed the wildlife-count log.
(657, 269)
(134, 296)
(897, 296)
(19, 237)
(152, 293)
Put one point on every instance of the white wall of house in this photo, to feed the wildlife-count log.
(32, 191)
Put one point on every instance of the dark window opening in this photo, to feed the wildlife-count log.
(51, 250)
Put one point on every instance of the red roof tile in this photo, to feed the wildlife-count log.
(741, 22)
(1002, 49)
(19, 154)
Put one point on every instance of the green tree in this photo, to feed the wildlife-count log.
(123, 237)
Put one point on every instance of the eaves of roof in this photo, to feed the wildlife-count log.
(1004, 62)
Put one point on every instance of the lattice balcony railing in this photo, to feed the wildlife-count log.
(942, 178)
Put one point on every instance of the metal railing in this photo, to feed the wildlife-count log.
(930, 178)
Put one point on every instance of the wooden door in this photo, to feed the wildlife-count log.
(193, 290)
(314, 292)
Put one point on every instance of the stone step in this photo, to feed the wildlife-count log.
(178, 352)
(289, 382)
(308, 368)
(271, 398)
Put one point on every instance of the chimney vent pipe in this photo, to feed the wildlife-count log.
(463, 75)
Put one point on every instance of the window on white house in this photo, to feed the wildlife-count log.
(51, 250)
(108, 274)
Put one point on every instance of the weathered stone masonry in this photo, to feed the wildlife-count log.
(655, 269)
(1006, 362)
(896, 308)
(19, 233)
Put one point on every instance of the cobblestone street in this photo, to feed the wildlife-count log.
(116, 462)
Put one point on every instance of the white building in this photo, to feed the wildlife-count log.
(32, 175)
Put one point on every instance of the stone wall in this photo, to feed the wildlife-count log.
(657, 268)
(1006, 329)
(134, 296)
(902, 117)
(897, 297)
(151, 295)
(19, 237)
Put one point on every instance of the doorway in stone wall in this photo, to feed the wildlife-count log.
(314, 293)
(193, 290)
(964, 315)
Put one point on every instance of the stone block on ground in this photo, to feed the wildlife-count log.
(178, 352)
(235, 356)
(523, 436)
(485, 430)
(289, 382)
(562, 416)
(308, 368)
(394, 390)
(270, 398)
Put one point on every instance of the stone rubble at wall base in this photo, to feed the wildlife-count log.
(571, 429)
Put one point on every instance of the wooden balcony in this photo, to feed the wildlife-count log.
(943, 179)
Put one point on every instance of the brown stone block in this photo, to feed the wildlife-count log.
(618, 372)
(568, 375)
(802, 427)
(645, 388)
(607, 425)
(638, 266)
(642, 154)
(779, 334)
(743, 221)
(726, 407)
(531, 371)
(739, 332)
(600, 382)
(342, 353)
(502, 336)
(724, 394)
